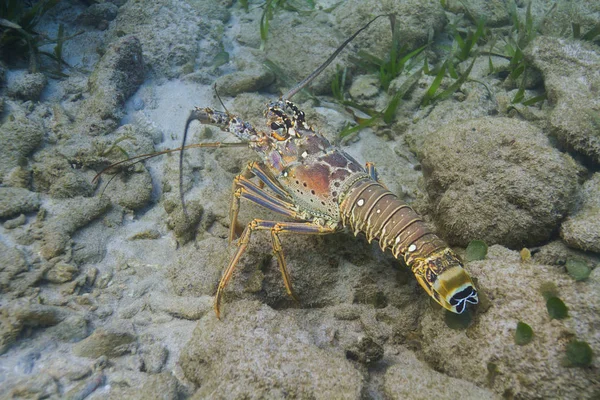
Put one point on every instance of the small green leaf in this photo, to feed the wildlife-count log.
(556, 308)
(592, 33)
(576, 30)
(390, 112)
(579, 353)
(578, 269)
(221, 58)
(476, 250)
(437, 81)
(534, 100)
(523, 334)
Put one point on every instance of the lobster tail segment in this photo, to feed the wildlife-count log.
(370, 208)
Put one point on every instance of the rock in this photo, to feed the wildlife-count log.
(365, 90)
(19, 314)
(54, 174)
(313, 41)
(571, 71)
(560, 20)
(486, 353)
(138, 386)
(416, 21)
(71, 216)
(256, 352)
(15, 222)
(149, 234)
(115, 78)
(494, 12)
(19, 137)
(365, 351)
(211, 10)
(132, 189)
(28, 86)
(111, 341)
(582, 229)
(61, 272)
(183, 226)
(71, 329)
(35, 315)
(97, 15)
(497, 180)
(17, 276)
(244, 81)
(169, 32)
(181, 307)
(71, 184)
(83, 389)
(368, 293)
(183, 274)
(39, 386)
(154, 356)
(14, 201)
(412, 379)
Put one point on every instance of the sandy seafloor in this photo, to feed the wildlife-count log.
(107, 291)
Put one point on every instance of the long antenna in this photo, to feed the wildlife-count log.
(332, 57)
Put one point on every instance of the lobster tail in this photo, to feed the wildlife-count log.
(370, 208)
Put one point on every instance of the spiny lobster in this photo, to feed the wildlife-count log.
(302, 176)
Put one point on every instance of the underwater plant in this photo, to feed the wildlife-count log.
(590, 35)
(19, 38)
(476, 250)
(17, 29)
(398, 60)
(578, 269)
(522, 33)
(271, 7)
(523, 334)
(579, 353)
(464, 46)
(395, 62)
(557, 308)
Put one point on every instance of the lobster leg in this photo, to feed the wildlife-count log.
(307, 228)
(265, 176)
(371, 170)
(244, 188)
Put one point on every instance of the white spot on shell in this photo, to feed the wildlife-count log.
(378, 211)
(397, 239)
(360, 202)
(304, 155)
(412, 248)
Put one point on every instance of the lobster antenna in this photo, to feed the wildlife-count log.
(332, 57)
(143, 157)
(193, 116)
(219, 97)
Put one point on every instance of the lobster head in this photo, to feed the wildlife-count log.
(443, 277)
(289, 140)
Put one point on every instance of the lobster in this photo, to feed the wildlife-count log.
(303, 177)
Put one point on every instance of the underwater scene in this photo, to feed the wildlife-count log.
(395, 199)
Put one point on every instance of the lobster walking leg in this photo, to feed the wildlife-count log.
(244, 188)
(371, 170)
(307, 228)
